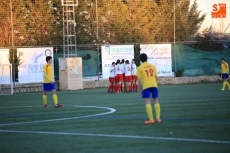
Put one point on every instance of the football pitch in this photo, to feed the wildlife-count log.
(196, 118)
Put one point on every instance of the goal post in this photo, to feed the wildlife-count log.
(6, 79)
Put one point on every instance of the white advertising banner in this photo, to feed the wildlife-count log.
(4, 69)
(32, 59)
(160, 56)
(112, 53)
(4, 56)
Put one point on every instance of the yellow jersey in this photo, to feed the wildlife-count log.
(48, 73)
(147, 73)
(224, 68)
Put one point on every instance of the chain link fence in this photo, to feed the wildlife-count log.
(196, 49)
(187, 58)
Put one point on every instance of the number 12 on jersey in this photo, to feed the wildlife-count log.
(149, 72)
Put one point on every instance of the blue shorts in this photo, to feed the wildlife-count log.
(224, 76)
(146, 93)
(48, 86)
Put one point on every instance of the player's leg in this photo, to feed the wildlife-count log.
(136, 85)
(227, 82)
(120, 77)
(116, 84)
(110, 86)
(224, 79)
(55, 97)
(157, 107)
(146, 96)
(125, 86)
(223, 84)
(44, 96)
(129, 79)
(119, 86)
(130, 85)
(123, 83)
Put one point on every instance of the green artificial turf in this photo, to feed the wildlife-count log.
(196, 118)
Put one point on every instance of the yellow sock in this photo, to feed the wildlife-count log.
(44, 98)
(55, 98)
(224, 84)
(149, 111)
(158, 110)
(228, 84)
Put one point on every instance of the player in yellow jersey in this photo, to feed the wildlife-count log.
(224, 74)
(48, 83)
(147, 78)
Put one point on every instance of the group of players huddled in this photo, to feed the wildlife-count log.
(123, 77)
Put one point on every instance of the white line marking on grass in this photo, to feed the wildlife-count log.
(112, 110)
(119, 136)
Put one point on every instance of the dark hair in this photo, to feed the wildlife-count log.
(222, 59)
(143, 57)
(123, 61)
(127, 62)
(48, 58)
(118, 61)
(113, 63)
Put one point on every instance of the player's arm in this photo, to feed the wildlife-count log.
(45, 74)
(112, 69)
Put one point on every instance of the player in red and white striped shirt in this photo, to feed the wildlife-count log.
(128, 77)
(112, 78)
